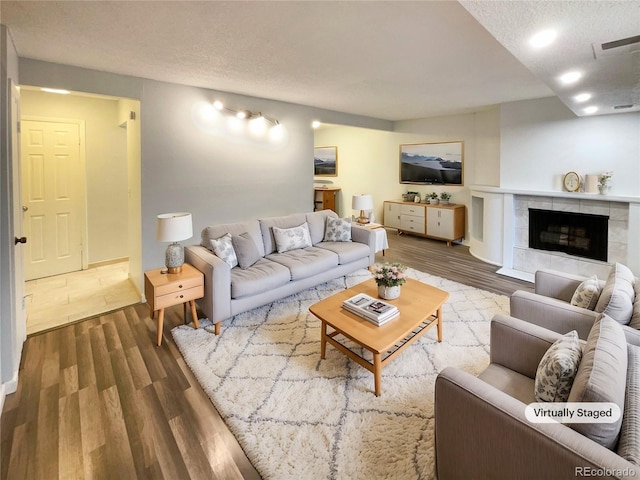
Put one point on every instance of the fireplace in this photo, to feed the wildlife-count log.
(578, 234)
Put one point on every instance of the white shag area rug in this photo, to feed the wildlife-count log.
(299, 417)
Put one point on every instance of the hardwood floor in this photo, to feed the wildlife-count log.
(98, 399)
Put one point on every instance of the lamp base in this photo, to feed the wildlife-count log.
(174, 258)
(362, 219)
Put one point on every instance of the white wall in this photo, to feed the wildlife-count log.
(540, 140)
(106, 166)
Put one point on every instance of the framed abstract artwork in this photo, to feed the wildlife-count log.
(432, 163)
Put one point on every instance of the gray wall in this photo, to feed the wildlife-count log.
(187, 168)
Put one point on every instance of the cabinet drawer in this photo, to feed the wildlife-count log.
(176, 297)
(416, 210)
(412, 224)
(178, 286)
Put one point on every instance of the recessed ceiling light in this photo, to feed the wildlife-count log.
(582, 97)
(315, 124)
(218, 104)
(543, 38)
(570, 77)
(56, 90)
(590, 110)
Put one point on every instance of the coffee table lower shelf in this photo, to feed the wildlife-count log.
(380, 359)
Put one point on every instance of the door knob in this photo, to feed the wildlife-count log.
(25, 208)
(20, 240)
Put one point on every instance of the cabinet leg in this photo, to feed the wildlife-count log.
(194, 314)
(160, 324)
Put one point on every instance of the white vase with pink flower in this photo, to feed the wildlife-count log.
(389, 277)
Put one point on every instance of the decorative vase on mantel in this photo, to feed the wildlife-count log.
(388, 293)
(604, 189)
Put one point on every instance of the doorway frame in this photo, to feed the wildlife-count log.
(83, 177)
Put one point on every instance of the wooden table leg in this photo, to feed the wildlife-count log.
(323, 339)
(216, 327)
(184, 312)
(377, 373)
(439, 313)
(160, 322)
(152, 313)
(194, 314)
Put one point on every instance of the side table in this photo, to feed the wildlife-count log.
(381, 235)
(168, 289)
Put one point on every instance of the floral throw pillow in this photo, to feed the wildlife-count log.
(558, 369)
(337, 230)
(292, 238)
(587, 293)
(223, 248)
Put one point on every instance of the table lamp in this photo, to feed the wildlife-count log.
(173, 227)
(362, 203)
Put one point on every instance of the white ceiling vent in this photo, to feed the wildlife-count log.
(616, 47)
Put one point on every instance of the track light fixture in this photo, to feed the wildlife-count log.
(244, 114)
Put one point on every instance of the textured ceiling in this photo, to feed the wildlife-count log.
(388, 60)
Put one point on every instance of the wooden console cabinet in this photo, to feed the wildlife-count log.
(325, 199)
(444, 222)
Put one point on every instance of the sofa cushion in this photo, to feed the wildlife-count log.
(337, 230)
(512, 383)
(246, 250)
(558, 368)
(347, 251)
(602, 377)
(292, 238)
(587, 293)
(635, 316)
(317, 222)
(261, 276)
(303, 263)
(252, 227)
(267, 224)
(616, 299)
(629, 443)
(223, 248)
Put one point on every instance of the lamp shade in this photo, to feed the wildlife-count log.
(362, 202)
(173, 227)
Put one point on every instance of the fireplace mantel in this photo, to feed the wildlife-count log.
(496, 222)
(555, 193)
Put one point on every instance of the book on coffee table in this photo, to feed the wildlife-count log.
(372, 309)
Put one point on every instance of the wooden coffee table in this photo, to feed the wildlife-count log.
(420, 308)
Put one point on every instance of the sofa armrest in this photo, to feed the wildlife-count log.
(216, 303)
(519, 345)
(481, 432)
(554, 284)
(368, 237)
(556, 315)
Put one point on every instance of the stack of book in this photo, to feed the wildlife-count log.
(372, 309)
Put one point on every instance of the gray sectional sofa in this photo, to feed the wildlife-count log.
(230, 291)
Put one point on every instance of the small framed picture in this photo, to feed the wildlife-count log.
(325, 161)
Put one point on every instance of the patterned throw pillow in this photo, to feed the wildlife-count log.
(558, 369)
(223, 248)
(337, 230)
(587, 293)
(292, 238)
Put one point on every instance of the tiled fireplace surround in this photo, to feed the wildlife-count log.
(502, 215)
(529, 260)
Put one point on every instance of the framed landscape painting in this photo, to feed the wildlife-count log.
(325, 161)
(432, 163)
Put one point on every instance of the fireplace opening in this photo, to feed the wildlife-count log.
(578, 234)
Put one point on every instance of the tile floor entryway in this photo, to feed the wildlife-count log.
(62, 299)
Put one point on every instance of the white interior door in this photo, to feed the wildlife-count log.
(52, 198)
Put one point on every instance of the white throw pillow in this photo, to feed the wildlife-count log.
(558, 369)
(292, 238)
(587, 293)
(337, 230)
(223, 248)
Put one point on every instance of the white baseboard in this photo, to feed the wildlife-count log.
(8, 388)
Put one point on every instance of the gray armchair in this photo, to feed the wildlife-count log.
(549, 306)
(480, 426)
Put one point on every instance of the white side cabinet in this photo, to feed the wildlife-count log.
(392, 214)
(444, 222)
